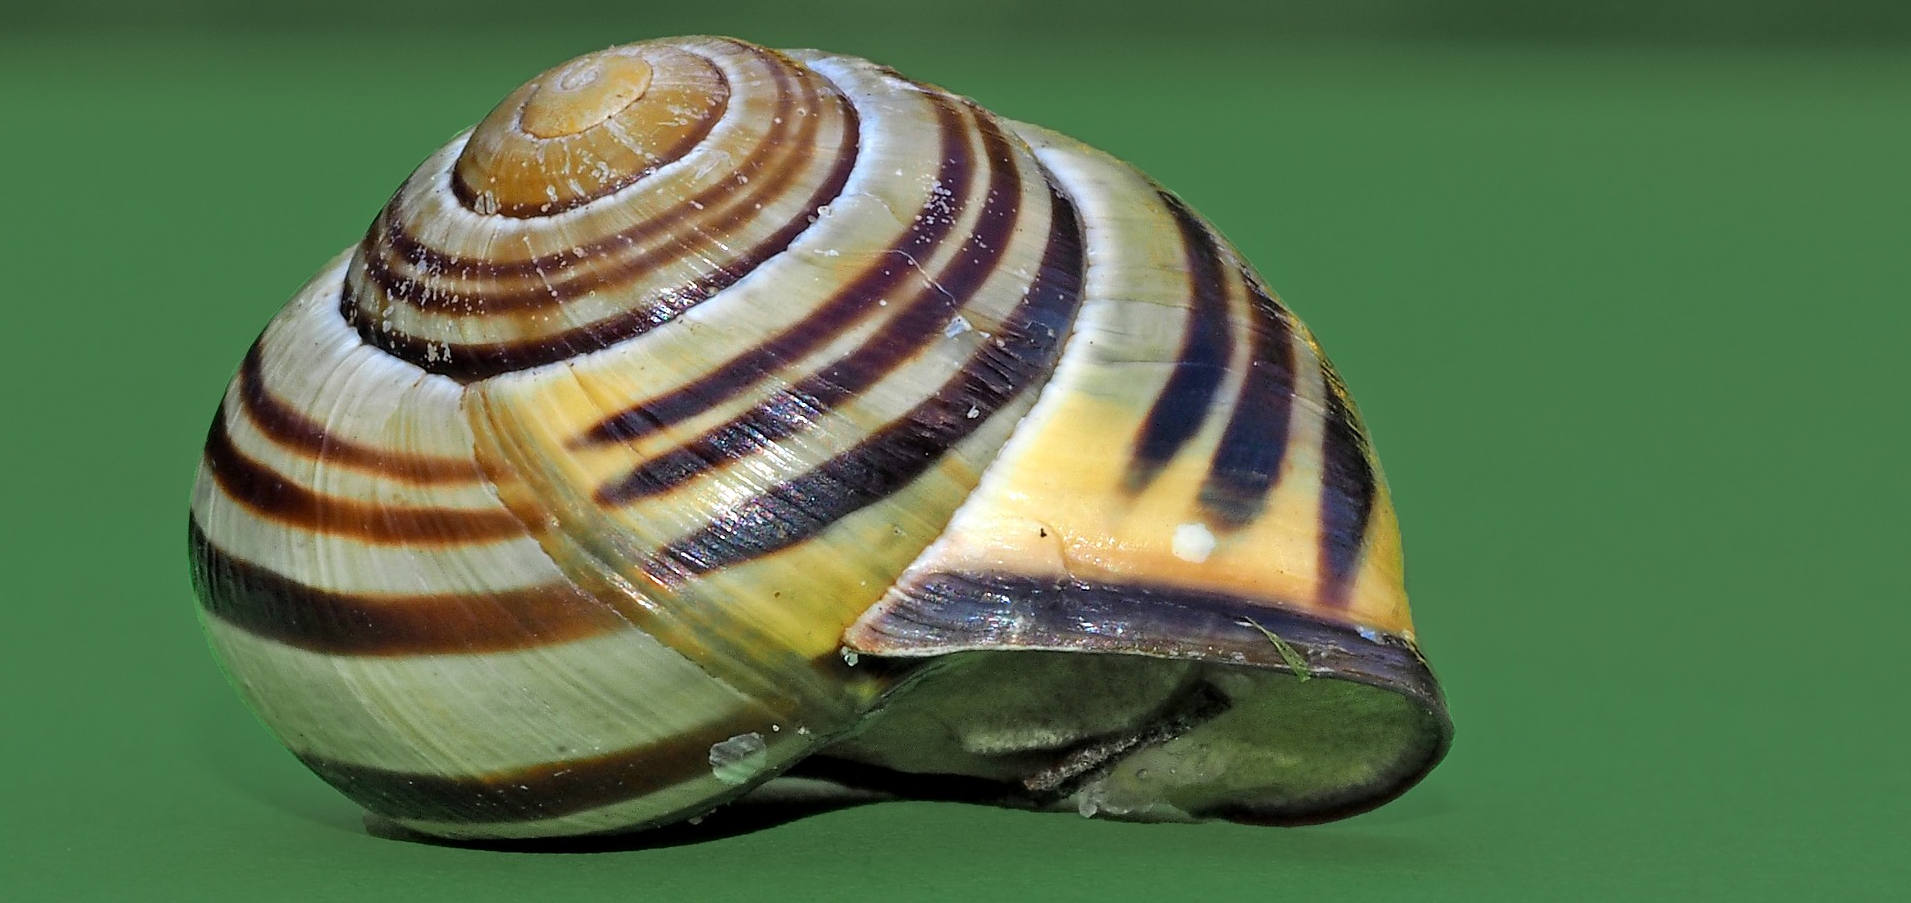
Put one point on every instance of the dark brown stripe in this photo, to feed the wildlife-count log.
(845, 308)
(690, 227)
(1018, 359)
(919, 323)
(270, 605)
(271, 496)
(1347, 490)
(476, 361)
(286, 426)
(1187, 398)
(940, 613)
(1248, 459)
(550, 790)
(468, 198)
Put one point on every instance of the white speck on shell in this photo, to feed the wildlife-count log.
(849, 656)
(738, 759)
(1193, 542)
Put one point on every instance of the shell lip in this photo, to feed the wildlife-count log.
(948, 613)
(945, 614)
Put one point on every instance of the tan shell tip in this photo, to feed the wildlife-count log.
(583, 93)
(589, 127)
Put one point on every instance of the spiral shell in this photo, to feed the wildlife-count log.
(709, 411)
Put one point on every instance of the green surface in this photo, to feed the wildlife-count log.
(1625, 316)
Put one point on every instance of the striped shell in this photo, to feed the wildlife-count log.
(710, 413)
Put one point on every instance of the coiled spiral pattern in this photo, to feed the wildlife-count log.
(567, 500)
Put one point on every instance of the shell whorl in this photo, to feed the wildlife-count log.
(599, 201)
(586, 129)
(552, 507)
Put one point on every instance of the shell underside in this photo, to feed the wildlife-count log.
(569, 499)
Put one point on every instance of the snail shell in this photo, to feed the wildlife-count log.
(710, 413)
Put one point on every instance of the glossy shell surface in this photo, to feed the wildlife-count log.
(702, 399)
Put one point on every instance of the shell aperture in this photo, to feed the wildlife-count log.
(710, 413)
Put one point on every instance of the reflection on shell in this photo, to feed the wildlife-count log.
(704, 390)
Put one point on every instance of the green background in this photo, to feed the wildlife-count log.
(1621, 289)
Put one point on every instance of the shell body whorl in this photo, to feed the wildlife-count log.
(709, 411)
